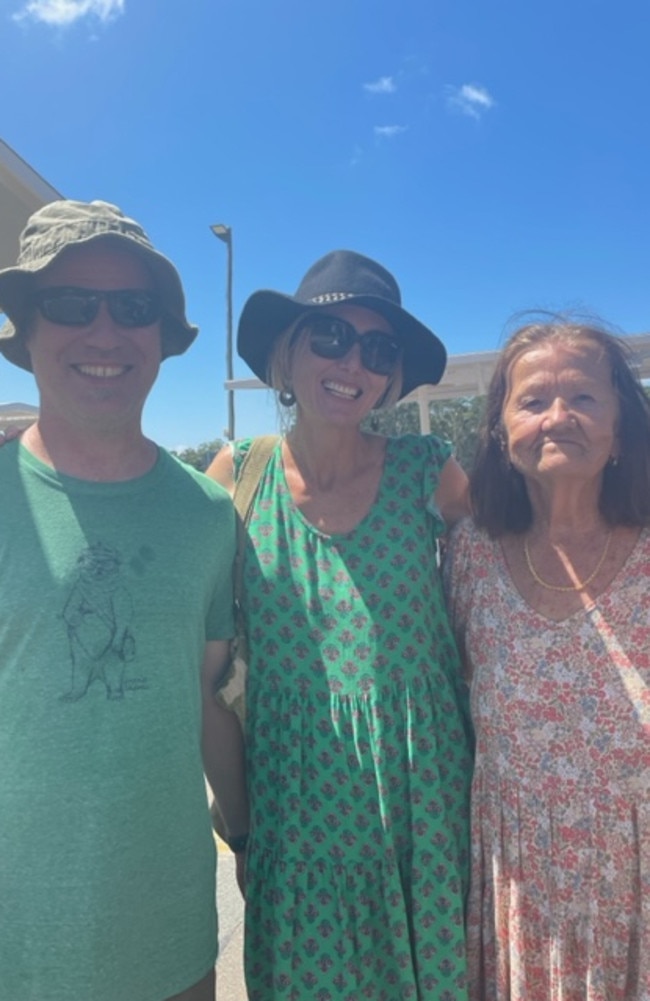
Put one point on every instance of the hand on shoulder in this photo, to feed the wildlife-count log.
(452, 494)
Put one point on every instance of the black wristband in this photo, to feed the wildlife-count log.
(237, 844)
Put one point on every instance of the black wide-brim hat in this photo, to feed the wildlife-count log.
(342, 276)
(63, 224)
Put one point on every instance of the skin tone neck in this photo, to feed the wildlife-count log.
(330, 455)
(565, 509)
(90, 454)
(333, 474)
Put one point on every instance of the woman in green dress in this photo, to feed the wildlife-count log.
(357, 733)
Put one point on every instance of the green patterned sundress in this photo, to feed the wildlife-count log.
(358, 748)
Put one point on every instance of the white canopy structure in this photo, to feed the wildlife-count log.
(468, 375)
(22, 191)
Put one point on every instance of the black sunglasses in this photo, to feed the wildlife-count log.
(331, 337)
(77, 307)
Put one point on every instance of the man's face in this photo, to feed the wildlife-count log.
(95, 376)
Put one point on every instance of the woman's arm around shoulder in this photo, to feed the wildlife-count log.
(222, 469)
(457, 579)
(452, 493)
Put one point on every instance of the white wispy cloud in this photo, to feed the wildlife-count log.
(469, 99)
(64, 12)
(384, 85)
(389, 131)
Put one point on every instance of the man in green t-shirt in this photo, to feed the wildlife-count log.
(115, 625)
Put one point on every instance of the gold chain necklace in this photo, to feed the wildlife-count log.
(565, 587)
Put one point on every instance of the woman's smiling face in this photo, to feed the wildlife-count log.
(341, 390)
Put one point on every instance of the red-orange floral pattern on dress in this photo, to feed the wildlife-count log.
(560, 895)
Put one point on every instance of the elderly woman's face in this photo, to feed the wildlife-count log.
(560, 414)
(343, 389)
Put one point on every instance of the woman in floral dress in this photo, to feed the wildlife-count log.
(549, 592)
(357, 735)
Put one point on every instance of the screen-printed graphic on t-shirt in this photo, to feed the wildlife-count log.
(98, 617)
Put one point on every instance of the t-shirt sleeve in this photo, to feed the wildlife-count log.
(220, 621)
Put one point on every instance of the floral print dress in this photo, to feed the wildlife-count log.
(560, 899)
(358, 749)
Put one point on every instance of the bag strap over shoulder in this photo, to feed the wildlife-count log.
(246, 486)
(253, 465)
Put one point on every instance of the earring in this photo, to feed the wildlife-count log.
(286, 397)
(613, 460)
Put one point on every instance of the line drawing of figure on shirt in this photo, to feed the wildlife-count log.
(98, 616)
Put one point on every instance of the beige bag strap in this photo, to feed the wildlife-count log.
(253, 465)
(246, 486)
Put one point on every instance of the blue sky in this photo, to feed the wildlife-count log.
(493, 155)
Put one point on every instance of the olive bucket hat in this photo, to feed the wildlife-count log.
(342, 276)
(63, 224)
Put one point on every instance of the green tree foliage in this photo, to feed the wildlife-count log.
(459, 421)
(456, 421)
(201, 456)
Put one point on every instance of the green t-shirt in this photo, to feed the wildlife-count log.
(109, 592)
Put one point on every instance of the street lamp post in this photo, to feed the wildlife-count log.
(224, 233)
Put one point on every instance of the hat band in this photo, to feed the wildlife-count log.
(332, 297)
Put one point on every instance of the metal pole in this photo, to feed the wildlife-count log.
(229, 368)
(224, 233)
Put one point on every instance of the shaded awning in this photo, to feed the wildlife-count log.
(22, 191)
